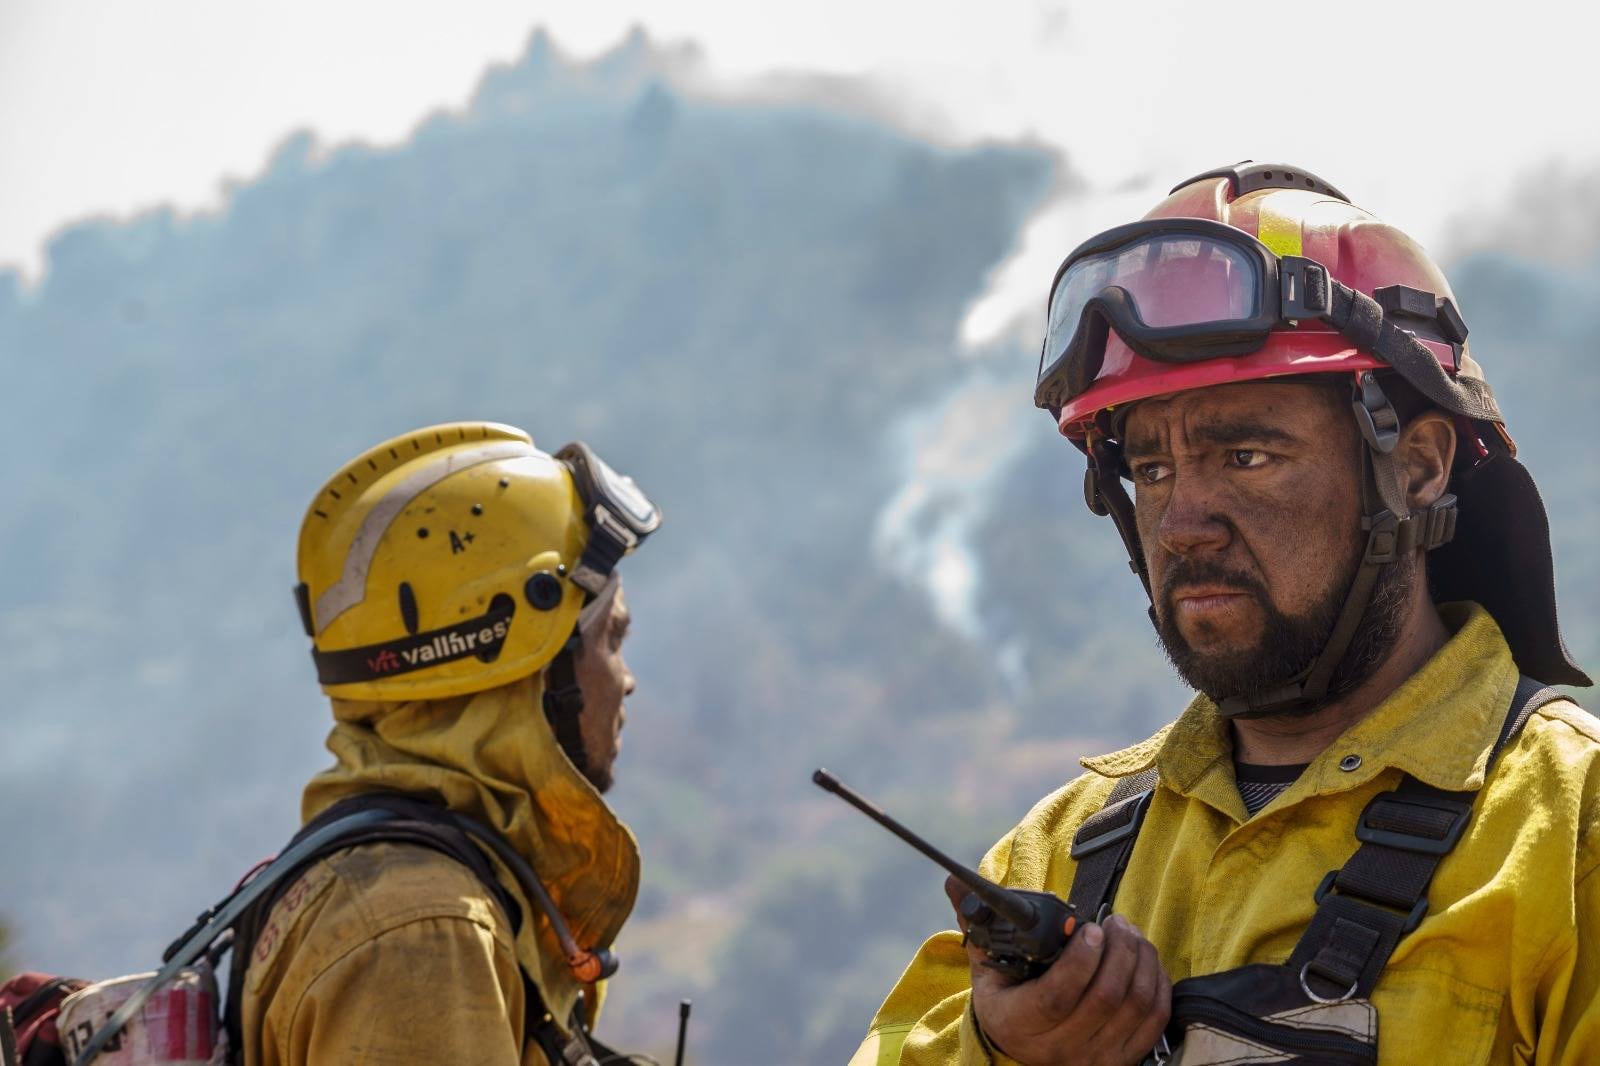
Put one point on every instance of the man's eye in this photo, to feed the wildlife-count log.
(1150, 473)
(1247, 457)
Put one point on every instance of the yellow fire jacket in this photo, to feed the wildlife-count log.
(392, 953)
(1505, 968)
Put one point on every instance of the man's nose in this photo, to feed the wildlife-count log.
(1192, 521)
(628, 682)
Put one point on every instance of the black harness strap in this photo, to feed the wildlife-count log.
(424, 823)
(1380, 894)
(1104, 843)
(1363, 908)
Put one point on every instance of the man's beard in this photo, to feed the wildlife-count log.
(1289, 643)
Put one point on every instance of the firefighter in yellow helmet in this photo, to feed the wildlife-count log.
(1371, 836)
(460, 591)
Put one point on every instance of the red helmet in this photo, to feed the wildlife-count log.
(1289, 213)
(1261, 271)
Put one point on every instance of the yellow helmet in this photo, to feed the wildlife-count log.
(457, 558)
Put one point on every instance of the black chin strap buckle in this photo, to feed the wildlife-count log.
(1437, 525)
(1386, 538)
(1379, 422)
(1389, 538)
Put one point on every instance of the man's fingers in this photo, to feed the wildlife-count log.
(1123, 1028)
(1060, 989)
(957, 892)
(1101, 1001)
(1149, 1030)
(1106, 998)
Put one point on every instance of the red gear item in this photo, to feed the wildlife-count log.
(1265, 271)
(31, 1002)
(1357, 249)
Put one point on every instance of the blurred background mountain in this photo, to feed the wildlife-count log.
(876, 558)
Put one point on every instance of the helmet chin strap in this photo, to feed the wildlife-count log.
(563, 696)
(1393, 531)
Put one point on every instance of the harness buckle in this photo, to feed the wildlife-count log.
(1082, 845)
(1435, 839)
(1419, 910)
(1305, 971)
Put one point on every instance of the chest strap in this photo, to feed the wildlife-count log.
(1380, 894)
(1105, 841)
(1365, 906)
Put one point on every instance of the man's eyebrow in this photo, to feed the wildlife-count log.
(1227, 433)
(1243, 431)
(1140, 445)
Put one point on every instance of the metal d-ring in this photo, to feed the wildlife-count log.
(1349, 992)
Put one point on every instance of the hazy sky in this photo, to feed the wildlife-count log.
(1419, 110)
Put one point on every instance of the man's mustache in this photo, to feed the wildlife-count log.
(1207, 572)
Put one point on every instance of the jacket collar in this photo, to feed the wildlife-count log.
(1438, 726)
(492, 756)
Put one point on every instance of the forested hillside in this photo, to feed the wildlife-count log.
(747, 306)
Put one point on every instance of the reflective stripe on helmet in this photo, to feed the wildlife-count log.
(1277, 228)
(350, 589)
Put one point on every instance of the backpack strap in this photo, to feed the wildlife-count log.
(1380, 894)
(1104, 843)
(412, 820)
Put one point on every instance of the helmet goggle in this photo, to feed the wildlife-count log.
(620, 516)
(1175, 290)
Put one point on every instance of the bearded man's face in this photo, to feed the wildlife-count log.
(1248, 504)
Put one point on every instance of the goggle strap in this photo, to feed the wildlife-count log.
(597, 605)
(1361, 319)
(609, 541)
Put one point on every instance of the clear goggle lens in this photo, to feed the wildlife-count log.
(1171, 280)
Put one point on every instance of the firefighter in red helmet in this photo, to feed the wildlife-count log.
(1369, 836)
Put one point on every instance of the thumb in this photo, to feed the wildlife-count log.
(957, 892)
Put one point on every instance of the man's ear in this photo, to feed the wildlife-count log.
(1425, 453)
